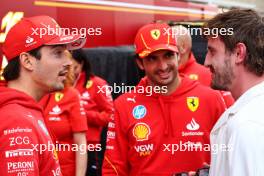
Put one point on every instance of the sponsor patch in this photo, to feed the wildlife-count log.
(141, 131)
(58, 96)
(17, 167)
(144, 150)
(192, 103)
(89, 84)
(193, 76)
(18, 153)
(55, 110)
(139, 111)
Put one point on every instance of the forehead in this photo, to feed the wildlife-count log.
(215, 43)
(53, 47)
(160, 53)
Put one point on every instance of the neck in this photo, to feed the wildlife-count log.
(244, 83)
(27, 87)
(172, 87)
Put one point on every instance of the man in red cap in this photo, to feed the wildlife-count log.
(164, 132)
(37, 65)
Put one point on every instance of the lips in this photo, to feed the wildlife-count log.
(63, 73)
(164, 75)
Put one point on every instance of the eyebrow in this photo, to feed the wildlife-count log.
(58, 46)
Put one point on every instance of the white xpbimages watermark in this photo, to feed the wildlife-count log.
(48, 30)
(82, 148)
(117, 89)
(195, 146)
(214, 32)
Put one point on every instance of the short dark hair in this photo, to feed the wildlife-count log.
(80, 56)
(248, 28)
(12, 70)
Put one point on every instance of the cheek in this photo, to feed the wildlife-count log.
(173, 64)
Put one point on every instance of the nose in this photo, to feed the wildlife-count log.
(162, 64)
(207, 61)
(67, 62)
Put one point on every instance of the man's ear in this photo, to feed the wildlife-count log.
(26, 61)
(240, 53)
(140, 63)
(181, 48)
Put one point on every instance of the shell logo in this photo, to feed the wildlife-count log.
(141, 131)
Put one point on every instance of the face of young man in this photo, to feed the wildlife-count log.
(51, 70)
(219, 60)
(77, 68)
(161, 67)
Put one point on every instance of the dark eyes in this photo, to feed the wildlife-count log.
(169, 54)
(58, 53)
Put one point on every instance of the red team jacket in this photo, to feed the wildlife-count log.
(23, 135)
(149, 135)
(202, 74)
(65, 116)
(98, 105)
(2, 80)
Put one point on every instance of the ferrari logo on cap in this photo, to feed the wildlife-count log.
(155, 34)
(58, 96)
(193, 103)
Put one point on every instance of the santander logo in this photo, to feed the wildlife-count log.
(29, 40)
(193, 125)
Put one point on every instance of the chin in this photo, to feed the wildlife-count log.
(58, 87)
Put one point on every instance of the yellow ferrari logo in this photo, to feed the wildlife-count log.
(155, 34)
(193, 76)
(193, 103)
(58, 96)
(89, 84)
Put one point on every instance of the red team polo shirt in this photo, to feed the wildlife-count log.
(149, 134)
(98, 105)
(202, 74)
(23, 134)
(64, 116)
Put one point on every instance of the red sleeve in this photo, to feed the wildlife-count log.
(77, 114)
(104, 102)
(17, 139)
(115, 160)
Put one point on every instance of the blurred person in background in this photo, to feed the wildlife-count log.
(98, 105)
(190, 67)
(66, 120)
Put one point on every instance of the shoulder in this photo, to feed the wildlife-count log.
(96, 80)
(14, 115)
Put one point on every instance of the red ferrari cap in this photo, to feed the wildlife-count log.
(153, 37)
(33, 32)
